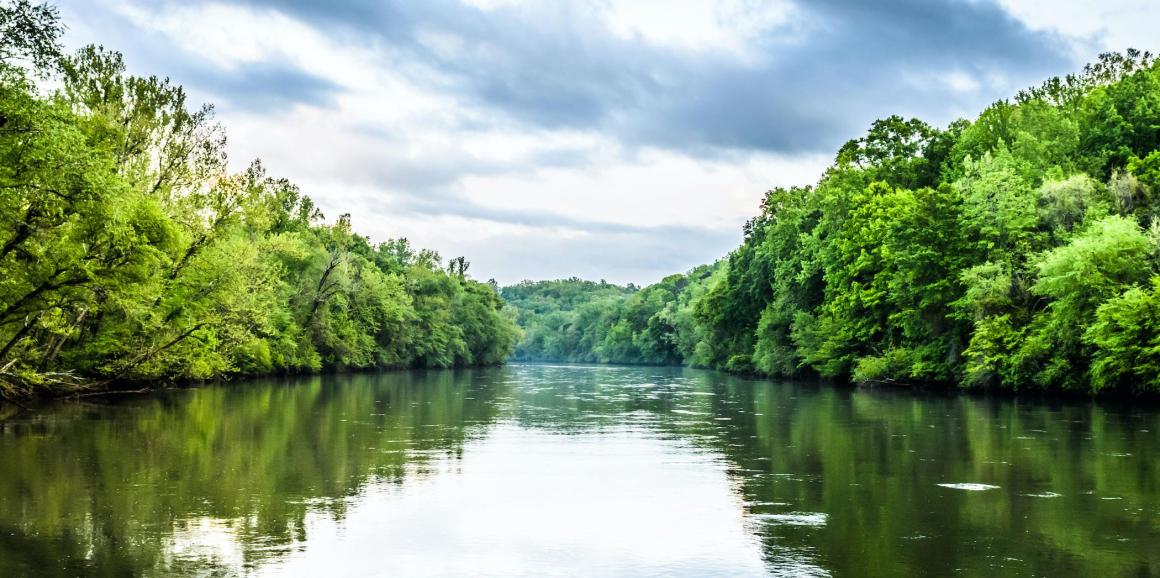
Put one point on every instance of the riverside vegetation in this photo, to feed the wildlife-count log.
(128, 251)
(1017, 251)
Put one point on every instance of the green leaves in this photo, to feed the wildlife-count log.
(1112, 253)
(1006, 252)
(129, 252)
(30, 33)
(1126, 338)
(583, 321)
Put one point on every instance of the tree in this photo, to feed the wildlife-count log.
(30, 34)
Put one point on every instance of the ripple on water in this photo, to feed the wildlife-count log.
(794, 518)
(970, 487)
(762, 504)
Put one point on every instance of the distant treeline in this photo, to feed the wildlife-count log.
(129, 252)
(582, 321)
(1018, 251)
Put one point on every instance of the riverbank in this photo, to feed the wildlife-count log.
(1115, 396)
(129, 387)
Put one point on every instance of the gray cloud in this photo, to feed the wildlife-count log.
(826, 75)
(437, 173)
(822, 78)
(263, 86)
(642, 258)
(252, 87)
(458, 206)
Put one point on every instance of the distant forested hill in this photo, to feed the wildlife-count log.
(584, 321)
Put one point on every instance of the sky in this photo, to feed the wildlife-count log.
(618, 140)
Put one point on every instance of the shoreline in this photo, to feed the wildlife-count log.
(1112, 398)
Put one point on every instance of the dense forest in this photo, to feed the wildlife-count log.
(1017, 251)
(129, 251)
(582, 321)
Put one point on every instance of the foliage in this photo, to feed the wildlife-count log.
(1013, 251)
(582, 321)
(129, 251)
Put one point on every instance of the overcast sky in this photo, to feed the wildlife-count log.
(597, 138)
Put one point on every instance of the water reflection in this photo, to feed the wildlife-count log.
(565, 470)
(166, 483)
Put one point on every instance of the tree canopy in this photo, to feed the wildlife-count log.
(1015, 251)
(129, 251)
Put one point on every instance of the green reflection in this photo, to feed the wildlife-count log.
(828, 480)
(103, 489)
(872, 463)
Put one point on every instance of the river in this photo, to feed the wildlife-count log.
(561, 470)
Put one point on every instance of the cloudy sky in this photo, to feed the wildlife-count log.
(622, 140)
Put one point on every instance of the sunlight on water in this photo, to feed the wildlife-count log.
(536, 503)
(970, 487)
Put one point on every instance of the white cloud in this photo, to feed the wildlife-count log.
(961, 81)
(702, 25)
(1093, 26)
(229, 35)
(654, 188)
(507, 517)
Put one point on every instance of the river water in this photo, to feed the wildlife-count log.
(560, 470)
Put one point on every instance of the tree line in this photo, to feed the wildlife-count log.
(580, 321)
(130, 251)
(1017, 251)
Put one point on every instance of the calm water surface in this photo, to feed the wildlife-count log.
(536, 470)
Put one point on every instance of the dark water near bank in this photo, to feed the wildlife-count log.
(571, 470)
